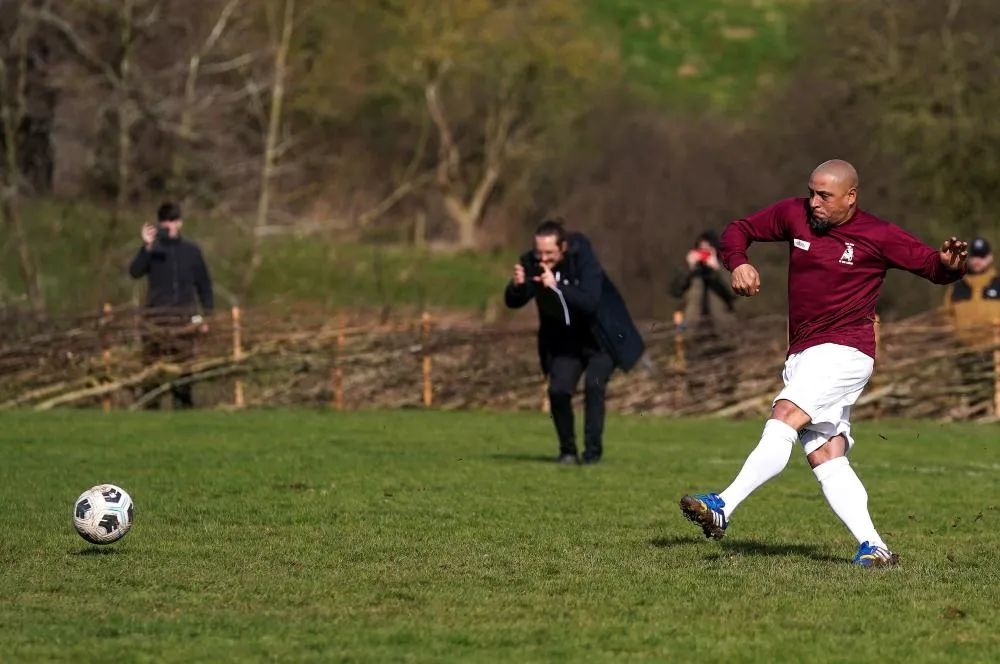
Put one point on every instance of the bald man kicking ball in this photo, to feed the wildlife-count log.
(838, 258)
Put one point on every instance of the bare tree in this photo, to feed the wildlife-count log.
(270, 152)
(13, 110)
(466, 208)
(185, 127)
(124, 119)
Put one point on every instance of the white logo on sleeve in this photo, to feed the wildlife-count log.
(847, 258)
(801, 244)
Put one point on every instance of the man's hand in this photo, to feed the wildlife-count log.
(518, 275)
(707, 257)
(746, 280)
(547, 278)
(713, 260)
(954, 253)
(148, 234)
(692, 259)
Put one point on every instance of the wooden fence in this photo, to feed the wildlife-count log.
(253, 358)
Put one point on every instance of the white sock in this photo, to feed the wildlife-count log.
(848, 499)
(767, 460)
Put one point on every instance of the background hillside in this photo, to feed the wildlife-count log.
(341, 153)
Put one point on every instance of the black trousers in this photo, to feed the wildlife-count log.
(565, 370)
(169, 344)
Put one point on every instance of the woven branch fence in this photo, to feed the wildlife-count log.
(250, 358)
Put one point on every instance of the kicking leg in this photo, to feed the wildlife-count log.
(712, 511)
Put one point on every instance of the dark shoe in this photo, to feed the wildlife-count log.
(568, 460)
(591, 460)
(705, 510)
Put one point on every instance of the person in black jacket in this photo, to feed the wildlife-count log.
(584, 325)
(177, 279)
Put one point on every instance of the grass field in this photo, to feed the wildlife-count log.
(416, 536)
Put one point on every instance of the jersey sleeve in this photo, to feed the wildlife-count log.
(903, 251)
(768, 225)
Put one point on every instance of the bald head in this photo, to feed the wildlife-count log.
(833, 194)
(839, 170)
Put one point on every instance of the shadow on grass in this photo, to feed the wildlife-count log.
(751, 548)
(670, 542)
(96, 551)
(517, 456)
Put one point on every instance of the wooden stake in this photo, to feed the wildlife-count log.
(878, 348)
(106, 356)
(428, 391)
(238, 400)
(679, 339)
(338, 372)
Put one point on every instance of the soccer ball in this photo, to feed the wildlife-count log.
(103, 514)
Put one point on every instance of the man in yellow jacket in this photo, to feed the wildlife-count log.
(973, 306)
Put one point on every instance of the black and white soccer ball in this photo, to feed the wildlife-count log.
(103, 514)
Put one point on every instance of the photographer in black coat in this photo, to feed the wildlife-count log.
(584, 326)
(178, 279)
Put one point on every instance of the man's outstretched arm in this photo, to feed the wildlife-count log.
(940, 266)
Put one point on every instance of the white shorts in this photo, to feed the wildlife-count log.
(825, 381)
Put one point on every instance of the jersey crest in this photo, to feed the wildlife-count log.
(847, 258)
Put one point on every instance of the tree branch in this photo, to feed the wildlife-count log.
(449, 159)
(271, 139)
(398, 194)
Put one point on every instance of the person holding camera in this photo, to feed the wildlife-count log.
(708, 298)
(709, 318)
(584, 326)
(177, 281)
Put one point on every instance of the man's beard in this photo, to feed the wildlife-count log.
(819, 226)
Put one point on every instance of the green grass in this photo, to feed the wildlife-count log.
(359, 275)
(416, 536)
(68, 239)
(720, 53)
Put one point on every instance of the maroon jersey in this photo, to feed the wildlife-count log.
(834, 279)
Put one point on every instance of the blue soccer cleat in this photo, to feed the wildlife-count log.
(705, 510)
(870, 555)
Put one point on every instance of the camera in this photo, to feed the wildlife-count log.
(162, 233)
(534, 268)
